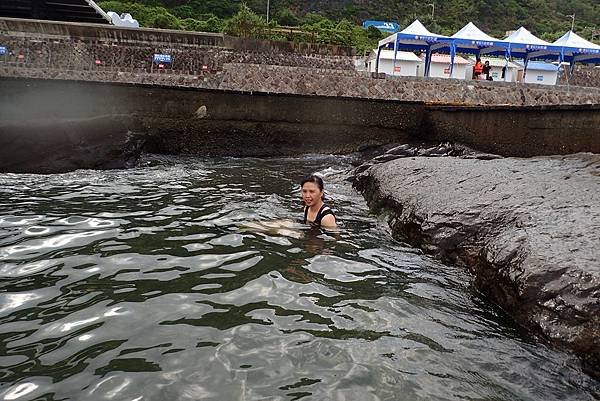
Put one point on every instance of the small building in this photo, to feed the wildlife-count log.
(440, 66)
(500, 70)
(541, 73)
(407, 63)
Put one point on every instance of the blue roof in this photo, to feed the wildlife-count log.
(539, 66)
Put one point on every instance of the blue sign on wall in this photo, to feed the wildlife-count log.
(382, 26)
(2, 50)
(162, 58)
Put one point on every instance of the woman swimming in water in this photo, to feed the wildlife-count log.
(315, 210)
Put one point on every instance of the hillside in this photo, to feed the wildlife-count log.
(495, 17)
(547, 18)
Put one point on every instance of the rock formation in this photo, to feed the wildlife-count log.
(59, 145)
(529, 230)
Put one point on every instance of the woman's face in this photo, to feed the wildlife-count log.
(311, 194)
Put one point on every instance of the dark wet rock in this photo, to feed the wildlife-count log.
(529, 230)
(55, 146)
(362, 168)
(385, 158)
(403, 150)
(411, 150)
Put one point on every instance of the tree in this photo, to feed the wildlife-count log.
(166, 21)
(287, 18)
(374, 33)
(147, 16)
(212, 24)
(246, 24)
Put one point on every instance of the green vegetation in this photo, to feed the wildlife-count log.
(338, 21)
(244, 22)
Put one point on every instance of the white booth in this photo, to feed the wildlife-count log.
(407, 63)
(541, 73)
(440, 66)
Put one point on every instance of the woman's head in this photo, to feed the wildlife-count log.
(312, 190)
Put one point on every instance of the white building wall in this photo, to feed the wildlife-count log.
(541, 77)
(442, 70)
(403, 68)
(511, 74)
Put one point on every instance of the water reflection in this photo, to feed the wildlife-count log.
(175, 281)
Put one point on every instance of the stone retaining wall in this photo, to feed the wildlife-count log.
(92, 53)
(583, 76)
(327, 82)
(309, 81)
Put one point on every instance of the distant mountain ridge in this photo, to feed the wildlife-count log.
(493, 16)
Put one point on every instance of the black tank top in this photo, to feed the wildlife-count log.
(323, 211)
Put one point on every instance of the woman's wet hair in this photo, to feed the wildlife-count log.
(315, 179)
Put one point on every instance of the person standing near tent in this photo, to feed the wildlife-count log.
(486, 70)
(477, 69)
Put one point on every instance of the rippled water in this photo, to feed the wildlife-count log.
(173, 282)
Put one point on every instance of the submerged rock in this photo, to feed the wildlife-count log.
(529, 230)
(55, 146)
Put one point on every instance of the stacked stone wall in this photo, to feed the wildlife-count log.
(327, 83)
(308, 81)
(588, 76)
(86, 54)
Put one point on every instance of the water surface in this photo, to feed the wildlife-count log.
(171, 281)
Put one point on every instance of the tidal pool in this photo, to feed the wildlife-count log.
(176, 281)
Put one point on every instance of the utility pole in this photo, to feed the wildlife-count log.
(267, 12)
(572, 16)
(432, 10)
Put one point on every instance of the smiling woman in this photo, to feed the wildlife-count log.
(316, 212)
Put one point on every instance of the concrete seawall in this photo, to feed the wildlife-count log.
(236, 123)
(217, 123)
(516, 131)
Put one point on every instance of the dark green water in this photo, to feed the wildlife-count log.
(149, 284)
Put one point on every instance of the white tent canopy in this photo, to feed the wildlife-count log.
(414, 37)
(525, 45)
(523, 36)
(575, 48)
(571, 39)
(416, 28)
(473, 40)
(471, 32)
(415, 34)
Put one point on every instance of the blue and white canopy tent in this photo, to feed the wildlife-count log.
(472, 40)
(414, 37)
(526, 46)
(575, 49)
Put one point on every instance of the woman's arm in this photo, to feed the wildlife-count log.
(328, 221)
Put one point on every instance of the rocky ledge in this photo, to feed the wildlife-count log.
(529, 230)
(56, 145)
